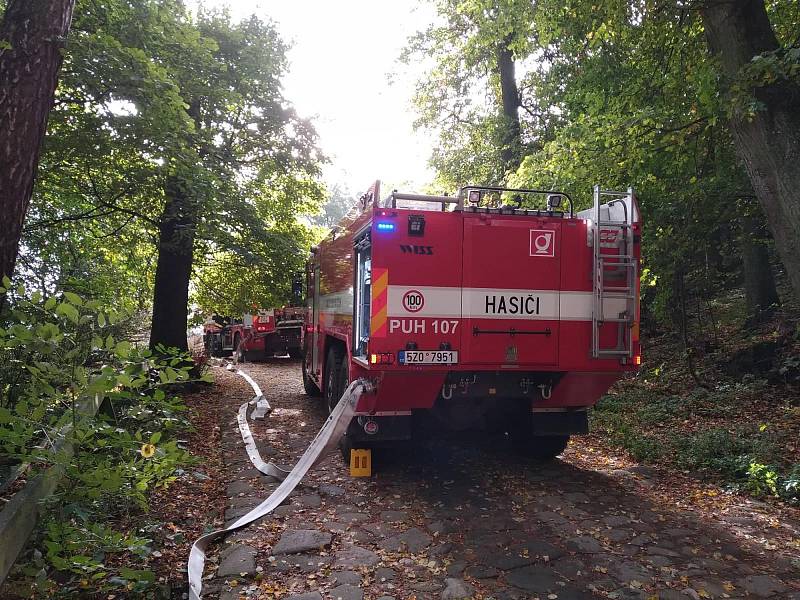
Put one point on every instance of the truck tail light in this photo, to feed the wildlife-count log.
(637, 360)
(384, 358)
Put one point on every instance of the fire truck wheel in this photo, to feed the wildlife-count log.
(239, 354)
(333, 383)
(345, 445)
(540, 447)
(309, 386)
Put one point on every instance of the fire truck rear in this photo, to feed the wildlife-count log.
(258, 336)
(496, 309)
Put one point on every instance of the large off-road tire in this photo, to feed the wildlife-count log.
(540, 447)
(345, 445)
(208, 344)
(333, 373)
(239, 354)
(344, 377)
(311, 388)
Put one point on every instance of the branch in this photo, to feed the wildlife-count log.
(89, 214)
(96, 193)
(626, 140)
(116, 230)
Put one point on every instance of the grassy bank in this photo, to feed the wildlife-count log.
(735, 421)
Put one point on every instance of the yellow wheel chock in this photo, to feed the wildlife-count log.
(360, 462)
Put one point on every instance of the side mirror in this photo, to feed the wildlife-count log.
(554, 201)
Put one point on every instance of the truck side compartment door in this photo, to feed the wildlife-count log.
(511, 289)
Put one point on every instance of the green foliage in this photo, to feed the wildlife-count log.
(781, 65)
(652, 428)
(615, 93)
(761, 480)
(59, 356)
(148, 93)
(339, 202)
(459, 97)
(714, 449)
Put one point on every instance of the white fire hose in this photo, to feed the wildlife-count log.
(326, 440)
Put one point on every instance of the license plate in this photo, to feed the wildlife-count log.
(428, 357)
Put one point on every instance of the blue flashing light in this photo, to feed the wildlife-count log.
(385, 226)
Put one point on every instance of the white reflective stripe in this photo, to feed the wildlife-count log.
(438, 301)
(527, 305)
(577, 306)
(326, 440)
(491, 303)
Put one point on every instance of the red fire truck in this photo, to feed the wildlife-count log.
(257, 336)
(481, 310)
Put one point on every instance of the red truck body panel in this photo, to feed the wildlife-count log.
(510, 295)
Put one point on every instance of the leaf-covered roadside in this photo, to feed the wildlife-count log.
(61, 358)
(740, 426)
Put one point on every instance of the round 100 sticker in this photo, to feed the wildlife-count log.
(413, 301)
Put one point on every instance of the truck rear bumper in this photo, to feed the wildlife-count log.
(431, 423)
(408, 391)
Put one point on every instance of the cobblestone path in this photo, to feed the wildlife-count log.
(456, 520)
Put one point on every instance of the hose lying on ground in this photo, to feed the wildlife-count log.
(325, 441)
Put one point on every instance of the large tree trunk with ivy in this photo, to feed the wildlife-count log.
(767, 142)
(759, 285)
(511, 140)
(174, 269)
(32, 35)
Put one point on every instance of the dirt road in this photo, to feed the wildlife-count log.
(455, 520)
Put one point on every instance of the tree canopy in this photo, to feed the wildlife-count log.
(154, 99)
(617, 93)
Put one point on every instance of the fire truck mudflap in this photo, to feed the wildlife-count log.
(499, 317)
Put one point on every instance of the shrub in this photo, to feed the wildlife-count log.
(58, 356)
(762, 480)
(715, 450)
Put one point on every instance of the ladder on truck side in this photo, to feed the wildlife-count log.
(615, 274)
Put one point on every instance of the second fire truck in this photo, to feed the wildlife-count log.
(256, 336)
(497, 308)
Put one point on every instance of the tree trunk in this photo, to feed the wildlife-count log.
(759, 285)
(36, 31)
(511, 140)
(769, 142)
(174, 269)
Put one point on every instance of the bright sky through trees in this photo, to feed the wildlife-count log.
(342, 54)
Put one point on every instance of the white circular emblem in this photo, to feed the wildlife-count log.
(413, 301)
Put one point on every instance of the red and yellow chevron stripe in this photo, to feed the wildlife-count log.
(380, 287)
